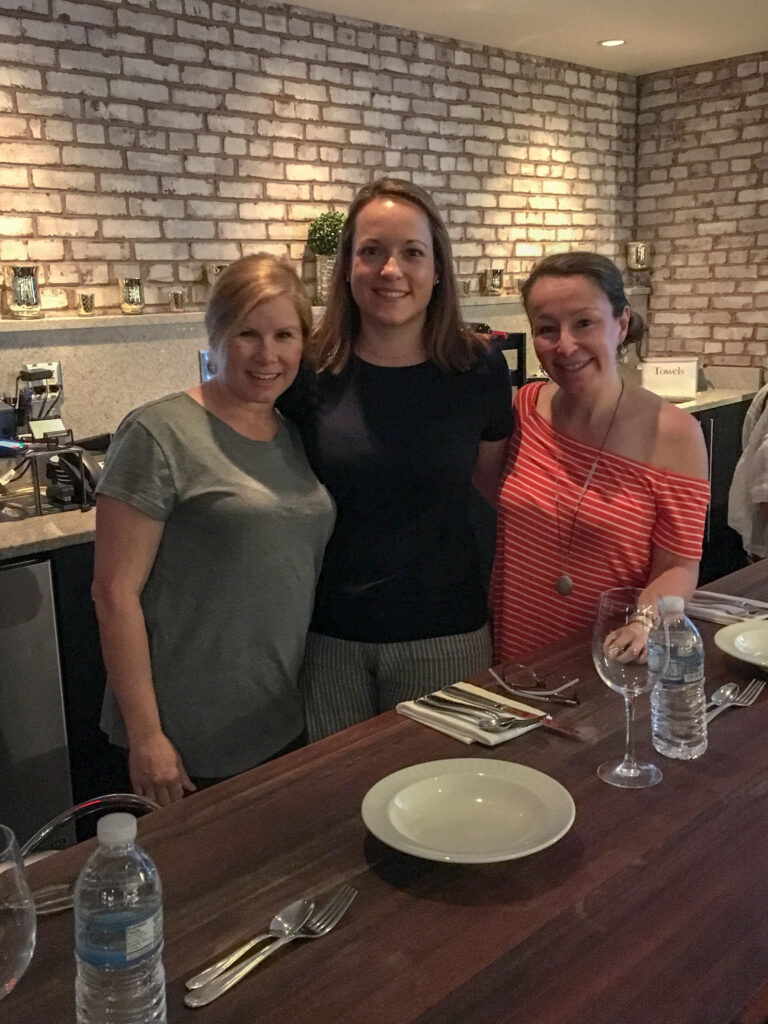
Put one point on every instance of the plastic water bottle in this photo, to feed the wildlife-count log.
(119, 931)
(676, 670)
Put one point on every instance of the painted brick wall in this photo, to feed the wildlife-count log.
(702, 198)
(157, 137)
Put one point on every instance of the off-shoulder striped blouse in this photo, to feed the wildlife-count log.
(628, 508)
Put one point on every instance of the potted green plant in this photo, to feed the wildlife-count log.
(323, 240)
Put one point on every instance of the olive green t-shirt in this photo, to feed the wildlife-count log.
(229, 598)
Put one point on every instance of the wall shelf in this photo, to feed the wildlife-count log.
(87, 323)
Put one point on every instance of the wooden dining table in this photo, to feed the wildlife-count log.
(652, 908)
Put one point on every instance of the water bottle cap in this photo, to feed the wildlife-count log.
(116, 829)
(671, 603)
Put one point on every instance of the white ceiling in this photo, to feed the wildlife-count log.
(659, 34)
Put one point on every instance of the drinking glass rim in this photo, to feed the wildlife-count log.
(7, 842)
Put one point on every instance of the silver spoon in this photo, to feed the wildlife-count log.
(283, 924)
(724, 695)
(485, 719)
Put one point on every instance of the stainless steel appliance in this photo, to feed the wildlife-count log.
(34, 759)
(56, 475)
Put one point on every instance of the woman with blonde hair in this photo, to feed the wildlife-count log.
(402, 409)
(210, 530)
(605, 483)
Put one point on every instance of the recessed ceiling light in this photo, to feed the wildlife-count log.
(611, 42)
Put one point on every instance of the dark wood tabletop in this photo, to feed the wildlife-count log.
(651, 908)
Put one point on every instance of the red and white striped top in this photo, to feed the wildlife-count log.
(628, 508)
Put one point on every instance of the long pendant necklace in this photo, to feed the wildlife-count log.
(564, 583)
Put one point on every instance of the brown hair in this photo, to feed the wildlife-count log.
(247, 283)
(447, 340)
(601, 271)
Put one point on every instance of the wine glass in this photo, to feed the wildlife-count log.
(620, 659)
(17, 914)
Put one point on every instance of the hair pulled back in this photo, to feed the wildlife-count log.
(596, 268)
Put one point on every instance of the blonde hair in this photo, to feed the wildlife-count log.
(447, 339)
(247, 283)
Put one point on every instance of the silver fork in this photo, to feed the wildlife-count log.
(318, 925)
(745, 699)
(484, 717)
(495, 707)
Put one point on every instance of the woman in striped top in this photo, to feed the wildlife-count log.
(605, 484)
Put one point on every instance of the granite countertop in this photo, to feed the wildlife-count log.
(36, 534)
(712, 398)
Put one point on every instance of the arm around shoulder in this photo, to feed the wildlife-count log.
(489, 466)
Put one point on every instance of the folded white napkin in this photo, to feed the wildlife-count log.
(724, 608)
(463, 729)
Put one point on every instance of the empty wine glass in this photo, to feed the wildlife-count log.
(618, 651)
(17, 914)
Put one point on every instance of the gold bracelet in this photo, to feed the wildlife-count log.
(644, 616)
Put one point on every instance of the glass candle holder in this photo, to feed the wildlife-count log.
(493, 281)
(639, 255)
(131, 294)
(176, 300)
(23, 291)
(86, 303)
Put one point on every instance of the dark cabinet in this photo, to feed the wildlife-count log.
(34, 760)
(723, 552)
(96, 767)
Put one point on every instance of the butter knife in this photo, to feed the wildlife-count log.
(476, 701)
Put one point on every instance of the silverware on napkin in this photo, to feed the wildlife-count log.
(468, 724)
(490, 704)
(724, 608)
(485, 718)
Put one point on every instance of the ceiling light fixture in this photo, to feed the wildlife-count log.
(611, 42)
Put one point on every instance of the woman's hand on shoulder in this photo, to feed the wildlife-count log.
(157, 771)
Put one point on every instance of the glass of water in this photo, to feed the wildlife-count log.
(17, 914)
(620, 657)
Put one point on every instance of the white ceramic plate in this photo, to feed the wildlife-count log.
(468, 810)
(745, 640)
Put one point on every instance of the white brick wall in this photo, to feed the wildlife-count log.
(702, 200)
(171, 133)
(182, 106)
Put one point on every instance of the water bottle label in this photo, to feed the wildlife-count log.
(673, 672)
(118, 940)
(143, 938)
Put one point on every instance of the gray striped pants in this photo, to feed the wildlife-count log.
(346, 681)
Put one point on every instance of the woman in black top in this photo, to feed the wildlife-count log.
(401, 410)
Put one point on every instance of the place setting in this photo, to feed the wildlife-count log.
(472, 714)
(726, 609)
(468, 810)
